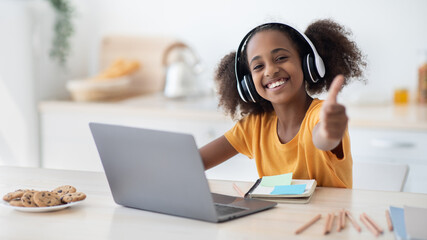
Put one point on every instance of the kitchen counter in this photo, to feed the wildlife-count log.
(383, 134)
(156, 104)
(404, 117)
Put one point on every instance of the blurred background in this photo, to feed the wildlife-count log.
(151, 64)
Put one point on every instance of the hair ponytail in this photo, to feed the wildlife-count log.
(340, 54)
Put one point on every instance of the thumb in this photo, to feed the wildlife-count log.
(335, 88)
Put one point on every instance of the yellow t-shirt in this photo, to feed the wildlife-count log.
(256, 137)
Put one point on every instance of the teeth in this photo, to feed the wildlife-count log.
(275, 84)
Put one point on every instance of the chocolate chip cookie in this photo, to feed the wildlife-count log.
(73, 197)
(13, 195)
(28, 199)
(62, 190)
(47, 199)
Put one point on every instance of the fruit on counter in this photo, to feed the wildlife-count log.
(119, 68)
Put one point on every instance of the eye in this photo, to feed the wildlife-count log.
(257, 67)
(281, 58)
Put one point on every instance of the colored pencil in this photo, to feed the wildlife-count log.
(343, 218)
(328, 220)
(369, 226)
(389, 223)
(238, 190)
(339, 222)
(329, 223)
(373, 223)
(308, 224)
(353, 221)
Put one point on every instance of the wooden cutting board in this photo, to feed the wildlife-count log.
(148, 50)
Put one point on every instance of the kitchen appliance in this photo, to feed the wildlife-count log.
(182, 71)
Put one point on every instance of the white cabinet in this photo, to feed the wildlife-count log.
(68, 144)
(385, 145)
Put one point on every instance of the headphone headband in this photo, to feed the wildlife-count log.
(314, 73)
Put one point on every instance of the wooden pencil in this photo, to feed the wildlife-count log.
(369, 226)
(326, 229)
(343, 218)
(330, 223)
(353, 221)
(308, 224)
(339, 222)
(373, 223)
(238, 190)
(389, 223)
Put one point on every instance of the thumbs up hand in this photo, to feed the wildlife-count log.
(329, 131)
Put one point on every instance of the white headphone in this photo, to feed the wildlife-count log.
(312, 66)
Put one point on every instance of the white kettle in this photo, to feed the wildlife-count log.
(181, 71)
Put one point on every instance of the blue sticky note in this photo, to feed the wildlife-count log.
(398, 220)
(288, 189)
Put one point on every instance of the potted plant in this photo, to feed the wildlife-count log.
(63, 30)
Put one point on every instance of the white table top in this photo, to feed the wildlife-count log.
(98, 217)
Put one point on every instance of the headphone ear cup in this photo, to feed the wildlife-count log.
(309, 69)
(249, 89)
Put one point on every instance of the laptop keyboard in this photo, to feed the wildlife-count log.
(225, 209)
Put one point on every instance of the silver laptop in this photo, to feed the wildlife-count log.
(163, 172)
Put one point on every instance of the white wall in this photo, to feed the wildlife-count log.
(27, 75)
(390, 33)
(18, 125)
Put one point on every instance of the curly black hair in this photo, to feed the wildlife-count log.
(340, 56)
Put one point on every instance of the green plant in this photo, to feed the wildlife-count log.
(63, 30)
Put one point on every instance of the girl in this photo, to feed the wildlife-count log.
(276, 69)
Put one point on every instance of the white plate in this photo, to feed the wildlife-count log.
(38, 209)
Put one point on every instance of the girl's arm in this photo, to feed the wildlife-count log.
(328, 133)
(216, 152)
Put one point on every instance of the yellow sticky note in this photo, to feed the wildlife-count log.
(276, 180)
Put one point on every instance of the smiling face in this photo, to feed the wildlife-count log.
(275, 66)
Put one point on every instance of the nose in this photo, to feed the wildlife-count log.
(271, 70)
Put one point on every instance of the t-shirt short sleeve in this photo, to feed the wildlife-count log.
(313, 115)
(240, 138)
